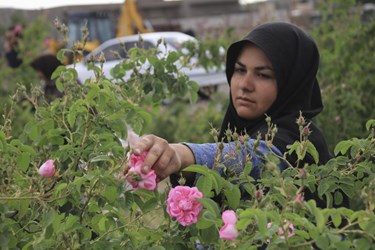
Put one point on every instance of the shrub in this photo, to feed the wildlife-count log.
(81, 200)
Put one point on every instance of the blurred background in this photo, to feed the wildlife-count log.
(199, 17)
(343, 29)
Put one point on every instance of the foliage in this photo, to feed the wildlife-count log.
(178, 120)
(87, 204)
(30, 46)
(346, 72)
(81, 132)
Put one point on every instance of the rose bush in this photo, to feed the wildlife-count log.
(87, 206)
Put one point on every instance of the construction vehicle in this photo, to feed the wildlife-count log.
(104, 24)
(130, 17)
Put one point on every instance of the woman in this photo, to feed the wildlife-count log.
(272, 72)
(11, 46)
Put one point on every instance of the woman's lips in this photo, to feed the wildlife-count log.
(244, 100)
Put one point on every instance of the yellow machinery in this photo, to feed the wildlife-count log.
(102, 25)
(129, 16)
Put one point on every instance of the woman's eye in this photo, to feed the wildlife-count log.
(264, 76)
(239, 70)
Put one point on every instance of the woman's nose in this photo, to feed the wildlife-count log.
(247, 82)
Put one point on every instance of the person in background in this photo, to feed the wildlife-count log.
(271, 73)
(11, 43)
(45, 65)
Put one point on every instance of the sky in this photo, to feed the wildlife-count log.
(44, 4)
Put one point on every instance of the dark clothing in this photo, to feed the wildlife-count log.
(46, 65)
(12, 59)
(295, 60)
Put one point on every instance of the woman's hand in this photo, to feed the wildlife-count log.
(163, 157)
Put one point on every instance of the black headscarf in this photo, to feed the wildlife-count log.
(295, 59)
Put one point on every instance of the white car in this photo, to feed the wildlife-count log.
(174, 40)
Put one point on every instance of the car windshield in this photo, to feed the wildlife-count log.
(118, 50)
(177, 42)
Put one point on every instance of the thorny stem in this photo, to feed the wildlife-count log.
(120, 227)
(360, 232)
(89, 196)
(86, 129)
(307, 243)
(39, 198)
(63, 121)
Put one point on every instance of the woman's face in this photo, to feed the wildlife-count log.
(253, 84)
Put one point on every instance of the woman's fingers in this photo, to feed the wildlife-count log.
(142, 144)
(161, 157)
(155, 146)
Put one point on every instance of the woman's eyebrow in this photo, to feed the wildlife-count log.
(257, 68)
(240, 64)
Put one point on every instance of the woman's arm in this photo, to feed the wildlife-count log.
(163, 157)
(167, 159)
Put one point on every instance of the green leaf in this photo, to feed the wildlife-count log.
(149, 205)
(322, 242)
(336, 218)
(362, 244)
(48, 231)
(101, 158)
(233, 196)
(197, 169)
(71, 222)
(23, 161)
(129, 199)
(302, 233)
(61, 54)
(56, 73)
(60, 187)
(209, 235)
(342, 147)
(206, 220)
(370, 124)
(313, 152)
(102, 224)
(261, 221)
(59, 86)
(370, 226)
(3, 143)
(173, 56)
(247, 168)
(204, 184)
(292, 148)
(31, 128)
(320, 221)
(210, 205)
(319, 217)
(110, 193)
(217, 181)
(338, 198)
(75, 108)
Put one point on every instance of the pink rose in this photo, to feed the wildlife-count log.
(47, 169)
(182, 204)
(299, 198)
(135, 176)
(287, 229)
(137, 159)
(229, 230)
